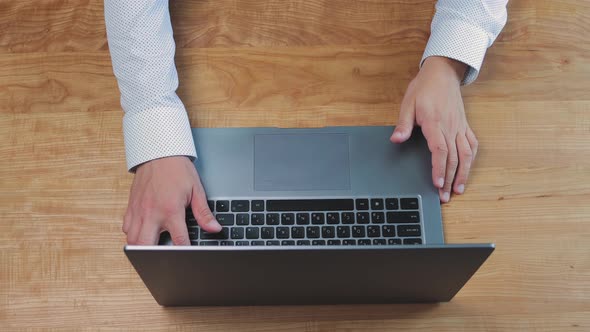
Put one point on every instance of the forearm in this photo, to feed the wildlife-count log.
(463, 30)
(142, 49)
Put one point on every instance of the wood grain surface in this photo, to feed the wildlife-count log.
(64, 186)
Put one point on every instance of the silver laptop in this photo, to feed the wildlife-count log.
(311, 216)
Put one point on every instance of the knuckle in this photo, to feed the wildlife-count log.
(439, 148)
(179, 238)
(203, 211)
(466, 155)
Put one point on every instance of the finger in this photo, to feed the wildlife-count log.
(177, 229)
(407, 116)
(134, 228)
(438, 147)
(465, 159)
(202, 213)
(473, 143)
(126, 222)
(451, 169)
(148, 234)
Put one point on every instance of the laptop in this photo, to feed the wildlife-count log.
(311, 216)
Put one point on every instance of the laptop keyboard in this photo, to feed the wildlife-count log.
(316, 222)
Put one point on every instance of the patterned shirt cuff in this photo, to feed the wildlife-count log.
(460, 41)
(157, 133)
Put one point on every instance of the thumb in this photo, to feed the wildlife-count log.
(404, 128)
(201, 211)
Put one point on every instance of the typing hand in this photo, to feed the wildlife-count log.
(433, 101)
(160, 192)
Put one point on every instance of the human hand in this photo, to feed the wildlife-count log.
(160, 193)
(433, 101)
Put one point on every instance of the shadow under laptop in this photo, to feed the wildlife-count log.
(300, 313)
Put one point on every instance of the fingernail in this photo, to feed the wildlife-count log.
(460, 188)
(215, 226)
(446, 197)
(440, 182)
(397, 134)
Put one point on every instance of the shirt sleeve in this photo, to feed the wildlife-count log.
(464, 29)
(155, 124)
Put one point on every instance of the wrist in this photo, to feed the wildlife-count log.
(456, 69)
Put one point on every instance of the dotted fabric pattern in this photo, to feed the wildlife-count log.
(142, 48)
(156, 125)
(464, 29)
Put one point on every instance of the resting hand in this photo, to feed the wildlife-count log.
(433, 101)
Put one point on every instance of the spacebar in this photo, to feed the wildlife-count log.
(309, 205)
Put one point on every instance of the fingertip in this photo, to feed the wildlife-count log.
(213, 226)
(399, 136)
(460, 189)
(439, 183)
(444, 196)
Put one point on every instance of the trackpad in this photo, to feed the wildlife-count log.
(286, 162)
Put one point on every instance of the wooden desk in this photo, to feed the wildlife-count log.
(64, 186)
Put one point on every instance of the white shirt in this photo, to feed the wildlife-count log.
(142, 49)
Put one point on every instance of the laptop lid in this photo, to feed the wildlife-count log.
(181, 276)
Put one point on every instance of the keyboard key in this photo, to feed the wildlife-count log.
(284, 205)
(349, 242)
(388, 231)
(377, 217)
(252, 233)
(362, 217)
(362, 204)
(303, 242)
(391, 204)
(282, 232)
(193, 233)
(226, 243)
(409, 203)
(379, 242)
(191, 221)
(409, 230)
(222, 235)
(237, 233)
(317, 218)
(242, 243)
(267, 232)
(288, 243)
(412, 241)
(272, 219)
(258, 205)
(403, 217)
(211, 205)
(257, 219)
(364, 242)
(333, 218)
(273, 243)
(313, 232)
(242, 219)
(240, 206)
(318, 243)
(287, 219)
(209, 243)
(226, 219)
(328, 232)
(333, 242)
(194, 243)
(343, 231)
(373, 231)
(358, 231)
(394, 241)
(377, 204)
(348, 218)
(297, 232)
(302, 218)
(222, 206)
(257, 243)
